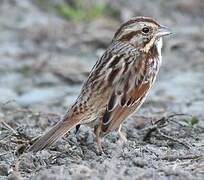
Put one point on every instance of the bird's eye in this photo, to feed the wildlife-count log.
(145, 30)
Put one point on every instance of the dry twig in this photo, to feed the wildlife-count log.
(163, 122)
(179, 157)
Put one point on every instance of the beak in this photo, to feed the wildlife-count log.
(163, 31)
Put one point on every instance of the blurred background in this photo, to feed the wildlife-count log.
(47, 48)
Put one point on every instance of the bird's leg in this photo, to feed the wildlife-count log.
(97, 131)
(121, 135)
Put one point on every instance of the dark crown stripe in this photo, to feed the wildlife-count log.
(133, 20)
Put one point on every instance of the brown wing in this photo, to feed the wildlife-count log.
(129, 90)
(129, 102)
(105, 75)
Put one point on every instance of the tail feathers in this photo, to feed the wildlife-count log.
(51, 136)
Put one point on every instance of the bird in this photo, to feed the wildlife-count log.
(117, 85)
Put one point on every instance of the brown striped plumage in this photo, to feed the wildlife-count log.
(118, 83)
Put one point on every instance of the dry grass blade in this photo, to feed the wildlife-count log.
(8, 126)
(174, 139)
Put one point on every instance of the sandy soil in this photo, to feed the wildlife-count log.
(44, 59)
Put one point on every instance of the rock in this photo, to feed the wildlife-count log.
(140, 162)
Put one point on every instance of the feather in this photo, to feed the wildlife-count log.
(59, 130)
(132, 84)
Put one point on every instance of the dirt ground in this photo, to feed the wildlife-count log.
(45, 57)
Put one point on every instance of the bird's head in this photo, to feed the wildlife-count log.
(141, 32)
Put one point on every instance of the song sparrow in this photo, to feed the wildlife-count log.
(118, 83)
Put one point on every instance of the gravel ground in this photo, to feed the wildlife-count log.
(44, 58)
